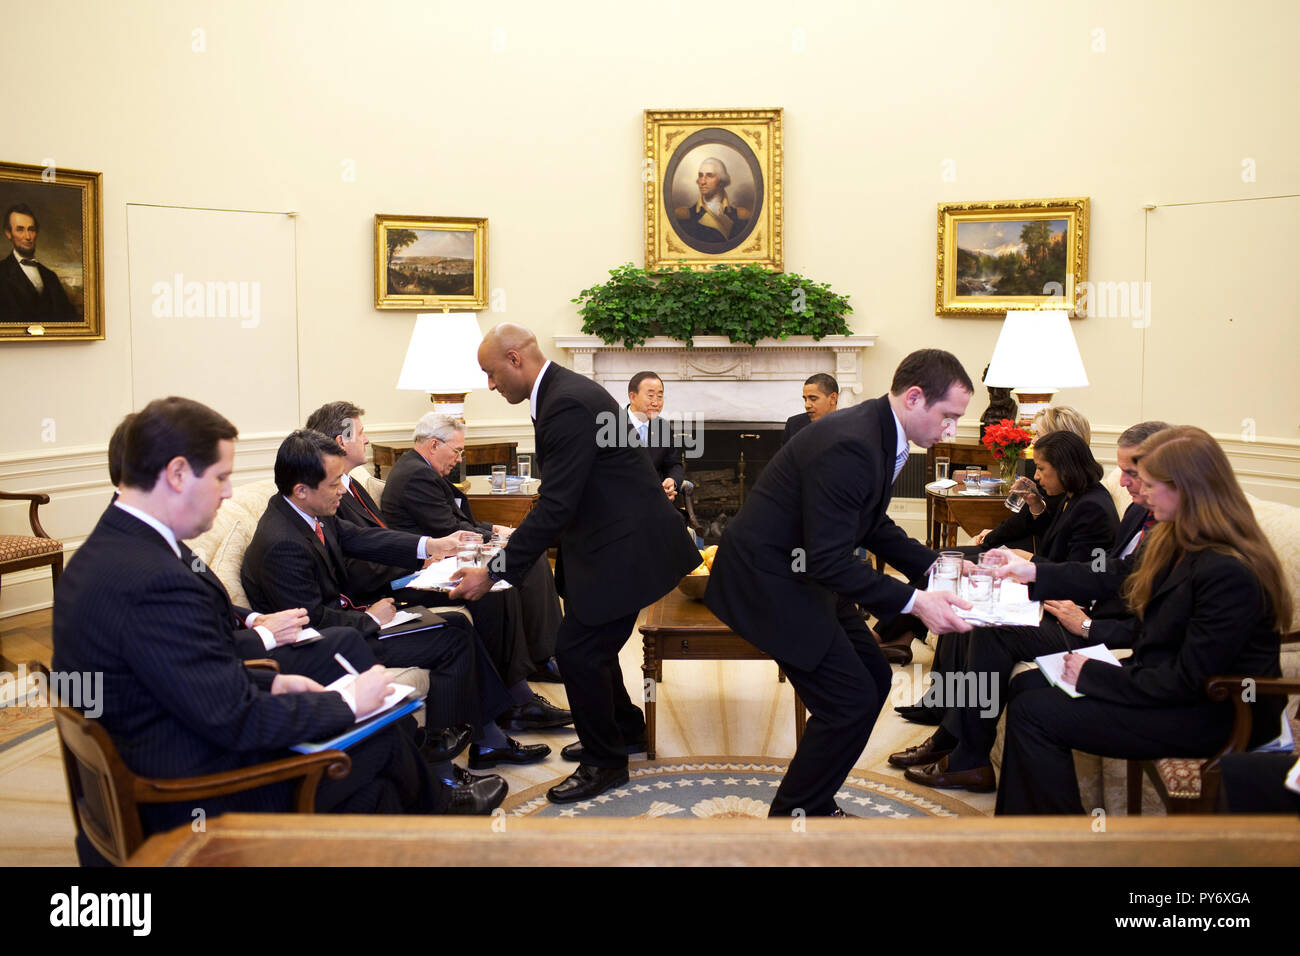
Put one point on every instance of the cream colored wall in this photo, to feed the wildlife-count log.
(530, 114)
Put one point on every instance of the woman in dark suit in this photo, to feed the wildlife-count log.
(1083, 526)
(1210, 599)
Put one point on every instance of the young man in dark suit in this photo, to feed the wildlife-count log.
(621, 547)
(786, 577)
(821, 396)
(177, 699)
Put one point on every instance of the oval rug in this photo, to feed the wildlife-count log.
(698, 787)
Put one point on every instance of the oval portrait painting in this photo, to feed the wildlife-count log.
(713, 190)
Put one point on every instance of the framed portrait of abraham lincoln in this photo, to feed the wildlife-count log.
(712, 187)
(51, 256)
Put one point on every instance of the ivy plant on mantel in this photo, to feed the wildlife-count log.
(745, 304)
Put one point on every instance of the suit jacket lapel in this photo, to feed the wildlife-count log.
(889, 448)
(462, 511)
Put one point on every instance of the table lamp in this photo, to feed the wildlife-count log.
(442, 359)
(1036, 356)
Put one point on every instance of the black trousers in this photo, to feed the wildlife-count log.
(498, 624)
(316, 660)
(977, 679)
(603, 715)
(388, 776)
(844, 693)
(1044, 726)
(464, 687)
(1256, 783)
(539, 605)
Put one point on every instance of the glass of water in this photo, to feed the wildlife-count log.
(941, 468)
(467, 557)
(979, 586)
(498, 479)
(525, 467)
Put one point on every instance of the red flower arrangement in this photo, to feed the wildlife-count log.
(1006, 439)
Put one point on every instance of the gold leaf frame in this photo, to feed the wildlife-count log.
(669, 136)
(90, 186)
(476, 300)
(951, 214)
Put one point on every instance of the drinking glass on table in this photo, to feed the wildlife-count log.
(525, 467)
(498, 479)
(941, 468)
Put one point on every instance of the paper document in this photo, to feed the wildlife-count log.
(399, 692)
(401, 617)
(306, 636)
(437, 577)
(1053, 664)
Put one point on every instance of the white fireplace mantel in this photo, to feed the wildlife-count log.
(724, 379)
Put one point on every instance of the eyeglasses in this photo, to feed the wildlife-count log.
(458, 452)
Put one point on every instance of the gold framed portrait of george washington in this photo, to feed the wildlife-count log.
(712, 187)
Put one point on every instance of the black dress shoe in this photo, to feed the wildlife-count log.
(513, 752)
(538, 714)
(460, 777)
(479, 798)
(575, 752)
(926, 752)
(446, 744)
(837, 812)
(930, 716)
(586, 782)
(548, 672)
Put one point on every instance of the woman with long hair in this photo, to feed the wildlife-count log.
(1210, 599)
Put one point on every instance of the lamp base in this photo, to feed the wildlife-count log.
(451, 404)
(1031, 403)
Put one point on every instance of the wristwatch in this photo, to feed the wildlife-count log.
(1086, 626)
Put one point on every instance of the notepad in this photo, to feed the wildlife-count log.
(437, 577)
(402, 700)
(1052, 665)
(401, 617)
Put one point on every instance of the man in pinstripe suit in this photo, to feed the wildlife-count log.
(177, 699)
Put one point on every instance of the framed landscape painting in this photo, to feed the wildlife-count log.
(51, 254)
(1018, 254)
(424, 262)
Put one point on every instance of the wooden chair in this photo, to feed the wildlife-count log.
(106, 795)
(21, 551)
(1191, 784)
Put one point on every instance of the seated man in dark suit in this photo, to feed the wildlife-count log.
(419, 498)
(821, 395)
(498, 617)
(176, 699)
(297, 557)
(645, 400)
(273, 636)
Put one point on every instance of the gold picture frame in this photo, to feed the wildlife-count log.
(430, 262)
(57, 293)
(740, 221)
(1017, 254)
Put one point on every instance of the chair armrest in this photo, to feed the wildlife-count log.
(1220, 689)
(37, 499)
(262, 664)
(335, 763)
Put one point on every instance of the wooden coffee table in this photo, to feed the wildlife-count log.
(677, 628)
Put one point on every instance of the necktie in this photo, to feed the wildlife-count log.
(899, 462)
(28, 262)
(644, 431)
(320, 534)
(378, 520)
(1146, 526)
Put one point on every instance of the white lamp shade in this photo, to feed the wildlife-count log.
(442, 356)
(1036, 352)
